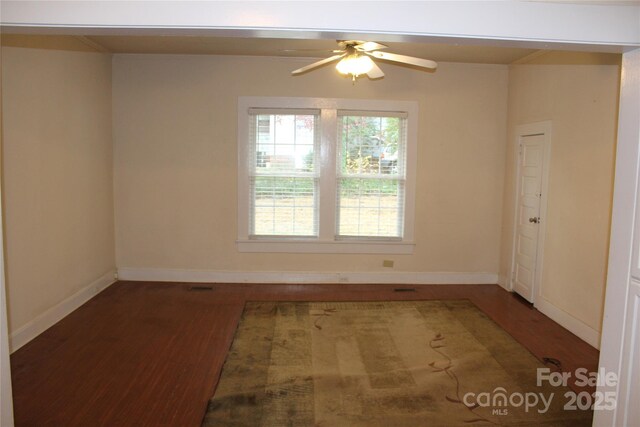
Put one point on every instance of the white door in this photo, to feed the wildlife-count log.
(529, 193)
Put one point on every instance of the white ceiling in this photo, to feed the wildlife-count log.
(487, 53)
(299, 48)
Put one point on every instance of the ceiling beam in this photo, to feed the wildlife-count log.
(542, 25)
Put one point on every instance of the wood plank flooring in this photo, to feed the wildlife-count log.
(151, 354)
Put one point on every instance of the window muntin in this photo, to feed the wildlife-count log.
(283, 177)
(371, 175)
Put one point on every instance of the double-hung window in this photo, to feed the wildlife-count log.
(326, 175)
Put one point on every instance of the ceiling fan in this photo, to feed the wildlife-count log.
(355, 59)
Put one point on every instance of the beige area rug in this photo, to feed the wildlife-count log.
(409, 363)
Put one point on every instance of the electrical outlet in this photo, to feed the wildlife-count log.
(387, 263)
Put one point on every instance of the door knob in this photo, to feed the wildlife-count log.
(535, 219)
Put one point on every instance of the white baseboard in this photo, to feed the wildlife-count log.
(564, 319)
(56, 313)
(502, 282)
(212, 276)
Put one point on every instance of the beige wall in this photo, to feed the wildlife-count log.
(58, 191)
(6, 398)
(176, 159)
(174, 138)
(581, 102)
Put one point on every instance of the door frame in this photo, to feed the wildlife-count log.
(618, 351)
(524, 130)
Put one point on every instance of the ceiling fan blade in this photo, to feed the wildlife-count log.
(308, 50)
(317, 64)
(375, 72)
(369, 46)
(419, 62)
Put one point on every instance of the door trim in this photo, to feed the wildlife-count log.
(617, 355)
(531, 129)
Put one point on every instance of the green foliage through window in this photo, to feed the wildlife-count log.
(365, 143)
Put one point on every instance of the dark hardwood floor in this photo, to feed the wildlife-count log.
(151, 353)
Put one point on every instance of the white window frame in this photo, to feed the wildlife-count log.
(326, 242)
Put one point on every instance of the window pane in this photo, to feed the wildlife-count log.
(371, 145)
(285, 143)
(371, 176)
(283, 180)
(370, 207)
(284, 206)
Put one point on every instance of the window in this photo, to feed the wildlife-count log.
(371, 179)
(283, 179)
(326, 175)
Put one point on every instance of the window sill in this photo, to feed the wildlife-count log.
(326, 247)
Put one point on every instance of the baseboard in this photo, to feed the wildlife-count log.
(502, 282)
(56, 313)
(212, 276)
(570, 323)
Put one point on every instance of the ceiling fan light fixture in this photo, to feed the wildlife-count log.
(355, 65)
